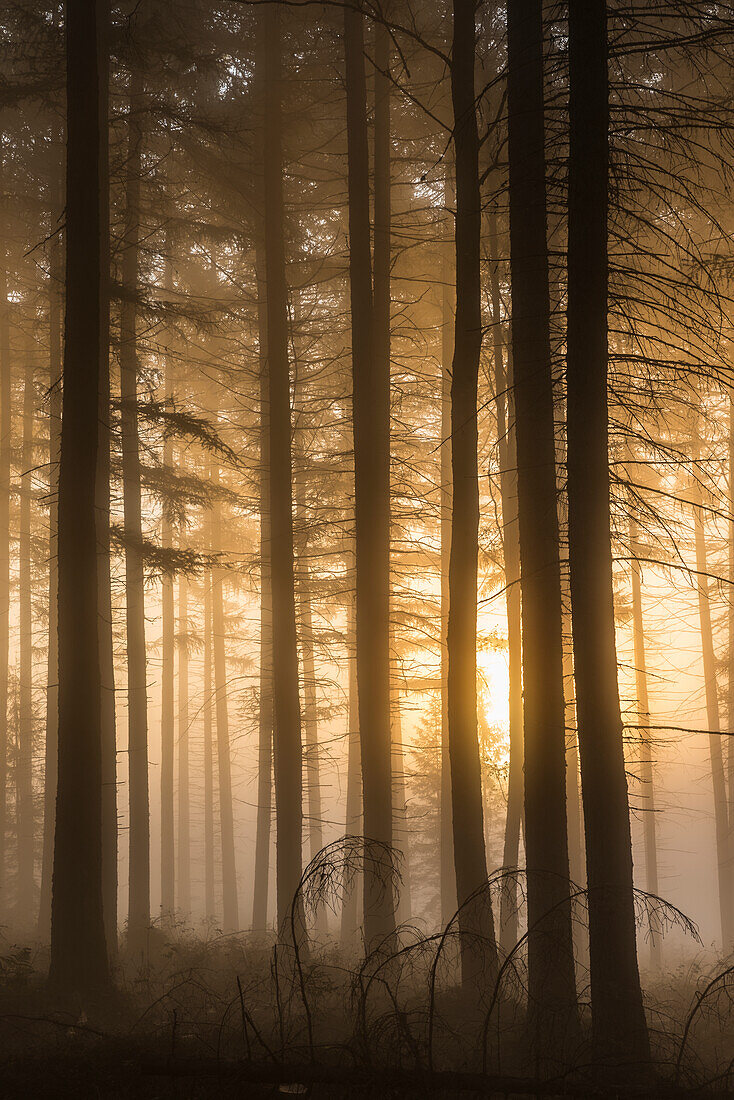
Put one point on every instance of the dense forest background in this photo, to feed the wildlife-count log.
(367, 543)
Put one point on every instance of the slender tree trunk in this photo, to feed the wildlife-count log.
(25, 818)
(209, 903)
(79, 958)
(286, 697)
(730, 624)
(52, 689)
(400, 812)
(551, 979)
(618, 1018)
(353, 823)
(371, 425)
(310, 715)
(265, 713)
(511, 557)
(5, 484)
(168, 629)
(446, 841)
(646, 762)
(138, 919)
(184, 779)
(713, 721)
(470, 861)
(106, 645)
(226, 815)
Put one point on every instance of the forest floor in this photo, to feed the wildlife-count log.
(233, 1017)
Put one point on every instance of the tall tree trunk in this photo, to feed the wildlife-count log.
(25, 822)
(446, 840)
(310, 714)
(168, 630)
(551, 979)
(730, 624)
(79, 958)
(353, 824)
(52, 689)
(286, 697)
(643, 712)
(371, 425)
(104, 598)
(209, 903)
(265, 712)
(713, 719)
(619, 1025)
(505, 408)
(5, 483)
(184, 779)
(138, 919)
(401, 828)
(475, 920)
(230, 913)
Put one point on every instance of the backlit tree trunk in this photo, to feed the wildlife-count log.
(230, 911)
(551, 980)
(371, 424)
(137, 696)
(78, 944)
(646, 751)
(619, 1026)
(184, 809)
(25, 818)
(470, 861)
(286, 698)
(168, 634)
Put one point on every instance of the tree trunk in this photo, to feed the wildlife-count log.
(713, 720)
(448, 873)
(78, 944)
(184, 811)
(52, 689)
(643, 713)
(511, 558)
(618, 1018)
(730, 624)
(265, 712)
(475, 919)
(209, 903)
(371, 425)
(168, 631)
(286, 697)
(25, 823)
(5, 485)
(551, 979)
(138, 920)
(226, 816)
(353, 824)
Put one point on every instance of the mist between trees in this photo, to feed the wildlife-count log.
(367, 547)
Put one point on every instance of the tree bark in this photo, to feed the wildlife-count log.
(286, 697)
(551, 978)
(353, 823)
(5, 485)
(24, 816)
(618, 1019)
(79, 958)
(447, 870)
(230, 913)
(713, 719)
(184, 778)
(371, 425)
(209, 902)
(138, 920)
(646, 752)
(470, 861)
(168, 631)
(505, 408)
(265, 712)
(51, 753)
